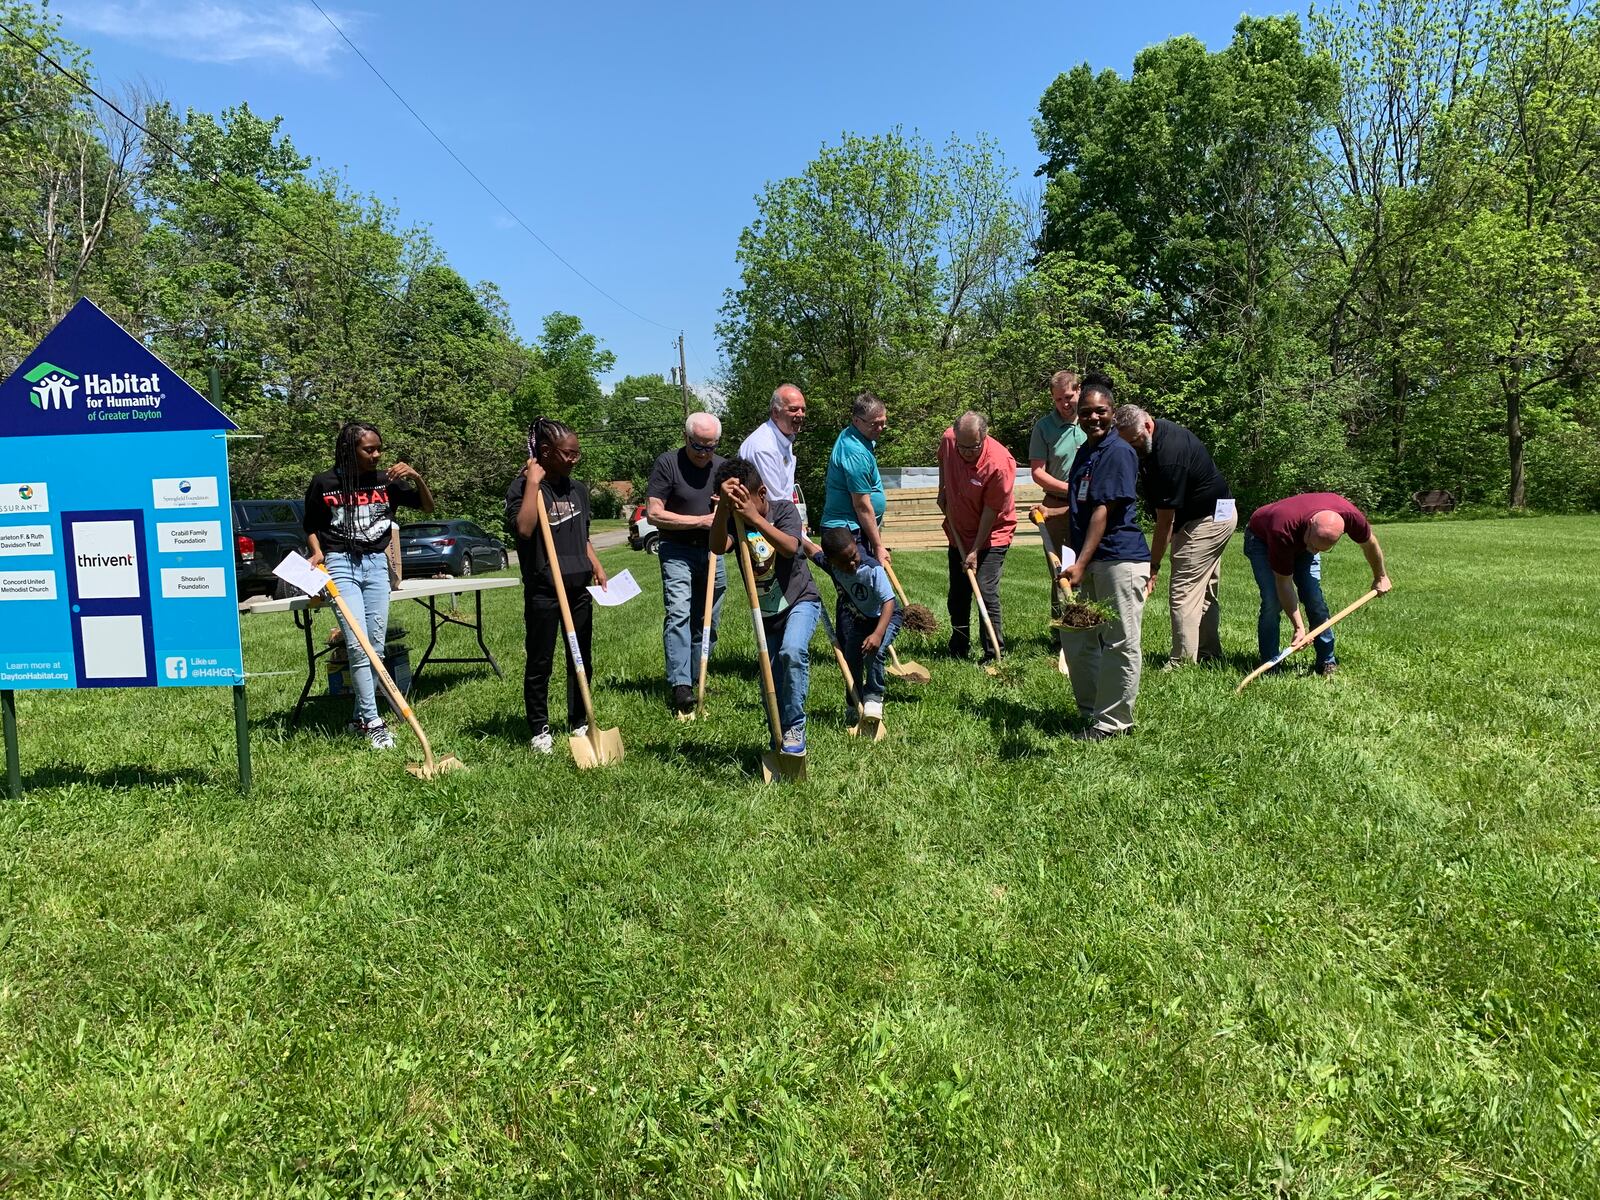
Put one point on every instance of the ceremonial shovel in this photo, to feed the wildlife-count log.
(774, 763)
(877, 731)
(911, 672)
(1053, 560)
(705, 630)
(977, 598)
(598, 745)
(299, 572)
(1328, 624)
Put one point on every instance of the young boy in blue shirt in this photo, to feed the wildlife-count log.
(866, 615)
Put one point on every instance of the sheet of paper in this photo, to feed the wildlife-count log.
(621, 588)
(1226, 510)
(295, 569)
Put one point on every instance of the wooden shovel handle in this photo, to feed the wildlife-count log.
(1326, 625)
(977, 596)
(705, 626)
(844, 664)
(566, 614)
(395, 697)
(769, 689)
(899, 591)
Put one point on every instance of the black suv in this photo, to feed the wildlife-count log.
(263, 532)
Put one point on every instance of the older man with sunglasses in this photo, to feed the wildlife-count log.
(681, 503)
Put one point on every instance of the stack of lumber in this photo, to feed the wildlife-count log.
(912, 520)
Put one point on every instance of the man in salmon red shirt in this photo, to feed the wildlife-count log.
(1284, 542)
(977, 479)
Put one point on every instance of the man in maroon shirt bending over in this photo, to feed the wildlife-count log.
(1284, 543)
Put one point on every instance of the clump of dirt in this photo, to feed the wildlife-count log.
(1079, 615)
(919, 618)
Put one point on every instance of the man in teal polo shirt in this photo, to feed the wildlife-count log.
(1056, 438)
(855, 499)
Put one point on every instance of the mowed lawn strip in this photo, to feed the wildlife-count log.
(1327, 938)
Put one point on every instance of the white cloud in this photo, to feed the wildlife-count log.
(209, 31)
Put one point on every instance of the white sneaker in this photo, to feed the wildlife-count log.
(379, 737)
(873, 709)
(542, 742)
(581, 731)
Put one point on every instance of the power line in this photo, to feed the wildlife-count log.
(476, 178)
(215, 178)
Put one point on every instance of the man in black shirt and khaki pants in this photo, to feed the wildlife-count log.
(1195, 515)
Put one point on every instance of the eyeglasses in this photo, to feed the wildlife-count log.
(965, 449)
(703, 447)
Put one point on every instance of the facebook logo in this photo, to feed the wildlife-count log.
(177, 668)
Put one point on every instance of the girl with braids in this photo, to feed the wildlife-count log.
(349, 521)
(553, 452)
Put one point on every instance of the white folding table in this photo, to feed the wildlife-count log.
(425, 592)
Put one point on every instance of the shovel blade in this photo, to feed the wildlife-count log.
(436, 767)
(873, 730)
(782, 766)
(595, 749)
(911, 672)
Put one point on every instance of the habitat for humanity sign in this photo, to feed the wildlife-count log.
(116, 526)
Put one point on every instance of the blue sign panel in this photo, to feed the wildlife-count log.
(116, 526)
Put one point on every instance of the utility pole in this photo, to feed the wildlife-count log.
(683, 377)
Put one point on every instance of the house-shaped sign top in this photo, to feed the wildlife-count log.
(90, 375)
(117, 554)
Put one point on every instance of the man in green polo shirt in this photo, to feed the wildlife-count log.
(1056, 438)
(855, 499)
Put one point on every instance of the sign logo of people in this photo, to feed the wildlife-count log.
(50, 386)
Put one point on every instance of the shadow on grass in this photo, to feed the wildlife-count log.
(1240, 662)
(1005, 713)
(504, 727)
(710, 758)
(65, 775)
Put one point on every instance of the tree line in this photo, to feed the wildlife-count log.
(1356, 252)
(212, 238)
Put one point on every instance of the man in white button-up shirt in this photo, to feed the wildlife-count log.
(771, 447)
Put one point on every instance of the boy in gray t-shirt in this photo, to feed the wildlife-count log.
(866, 614)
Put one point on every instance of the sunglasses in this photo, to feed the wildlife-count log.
(703, 447)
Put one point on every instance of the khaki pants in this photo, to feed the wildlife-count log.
(1105, 661)
(1197, 548)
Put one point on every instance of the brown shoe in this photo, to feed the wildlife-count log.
(1327, 669)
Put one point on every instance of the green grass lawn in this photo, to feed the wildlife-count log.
(1330, 938)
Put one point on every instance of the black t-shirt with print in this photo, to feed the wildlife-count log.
(781, 582)
(567, 502)
(359, 519)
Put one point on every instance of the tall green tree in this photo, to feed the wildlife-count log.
(884, 257)
(1514, 284)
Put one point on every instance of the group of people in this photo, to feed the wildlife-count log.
(1093, 460)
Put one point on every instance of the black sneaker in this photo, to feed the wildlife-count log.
(682, 698)
(1326, 669)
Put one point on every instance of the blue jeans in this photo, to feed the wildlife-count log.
(853, 629)
(683, 593)
(789, 643)
(1307, 581)
(363, 581)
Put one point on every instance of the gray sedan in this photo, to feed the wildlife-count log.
(449, 547)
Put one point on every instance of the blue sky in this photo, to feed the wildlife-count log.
(632, 137)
